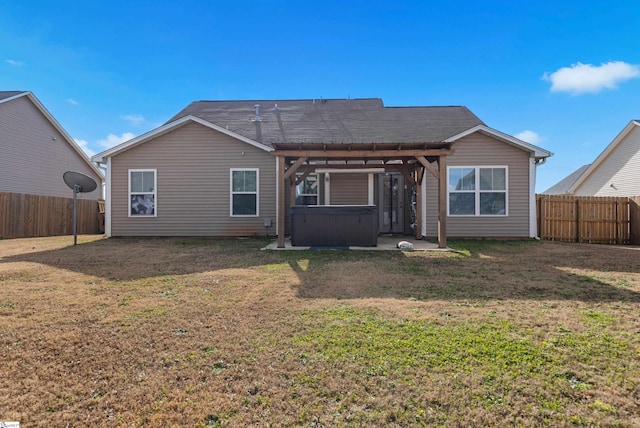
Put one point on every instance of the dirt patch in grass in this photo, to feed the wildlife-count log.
(205, 332)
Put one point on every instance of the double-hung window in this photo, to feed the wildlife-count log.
(477, 191)
(142, 192)
(244, 192)
(307, 190)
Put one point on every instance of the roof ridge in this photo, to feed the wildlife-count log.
(438, 106)
(287, 99)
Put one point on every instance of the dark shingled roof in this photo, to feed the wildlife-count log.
(9, 94)
(341, 121)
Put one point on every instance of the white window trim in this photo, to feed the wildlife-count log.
(154, 193)
(257, 192)
(477, 191)
(317, 194)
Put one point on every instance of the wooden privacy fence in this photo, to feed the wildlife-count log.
(589, 219)
(634, 220)
(23, 216)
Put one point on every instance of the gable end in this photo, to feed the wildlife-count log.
(114, 151)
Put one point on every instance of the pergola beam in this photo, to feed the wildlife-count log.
(433, 170)
(361, 154)
(418, 158)
(405, 171)
(304, 175)
(293, 168)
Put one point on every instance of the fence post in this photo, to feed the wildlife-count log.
(617, 225)
(634, 220)
(539, 215)
(578, 237)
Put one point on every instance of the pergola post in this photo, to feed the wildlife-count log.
(346, 153)
(286, 177)
(441, 175)
(419, 212)
(442, 202)
(281, 201)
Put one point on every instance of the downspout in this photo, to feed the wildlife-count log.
(102, 167)
(533, 212)
(106, 194)
(107, 200)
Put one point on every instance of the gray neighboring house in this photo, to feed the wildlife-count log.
(615, 172)
(35, 151)
(232, 168)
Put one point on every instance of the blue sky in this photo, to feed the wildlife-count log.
(564, 76)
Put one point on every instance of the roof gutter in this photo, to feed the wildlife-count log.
(538, 152)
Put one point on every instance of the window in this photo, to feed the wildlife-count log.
(477, 191)
(244, 192)
(307, 190)
(142, 193)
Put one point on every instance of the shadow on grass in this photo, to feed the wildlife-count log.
(478, 270)
(138, 258)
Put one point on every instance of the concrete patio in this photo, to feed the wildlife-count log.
(385, 243)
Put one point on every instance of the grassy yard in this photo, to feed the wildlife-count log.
(198, 332)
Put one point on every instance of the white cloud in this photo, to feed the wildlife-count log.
(73, 102)
(14, 62)
(113, 140)
(84, 145)
(529, 136)
(134, 119)
(583, 78)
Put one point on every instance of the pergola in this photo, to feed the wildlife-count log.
(411, 159)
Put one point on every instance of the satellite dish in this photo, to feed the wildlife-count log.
(79, 183)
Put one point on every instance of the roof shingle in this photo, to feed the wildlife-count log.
(9, 94)
(341, 121)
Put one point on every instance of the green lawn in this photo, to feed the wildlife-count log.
(217, 332)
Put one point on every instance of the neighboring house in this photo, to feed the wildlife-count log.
(562, 187)
(232, 168)
(35, 151)
(615, 172)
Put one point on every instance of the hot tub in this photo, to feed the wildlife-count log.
(334, 225)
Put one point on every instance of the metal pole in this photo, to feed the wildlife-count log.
(75, 219)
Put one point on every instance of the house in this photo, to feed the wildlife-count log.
(562, 187)
(615, 172)
(35, 151)
(233, 168)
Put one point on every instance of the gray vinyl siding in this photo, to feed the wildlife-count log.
(621, 168)
(34, 155)
(193, 166)
(349, 189)
(479, 150)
